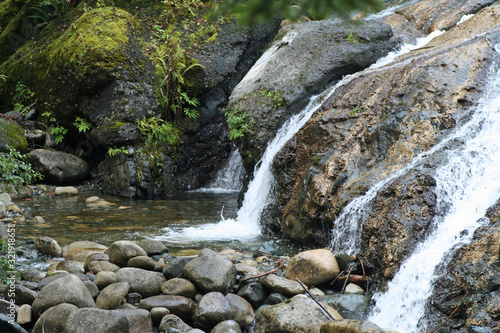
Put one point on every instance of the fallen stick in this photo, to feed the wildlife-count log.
(325, 311)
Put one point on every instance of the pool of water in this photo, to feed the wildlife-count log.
(68, 219)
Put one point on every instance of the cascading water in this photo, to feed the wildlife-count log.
(247, 223)
(467, 185)
(229, 178)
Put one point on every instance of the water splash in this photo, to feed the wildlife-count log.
(467, 185)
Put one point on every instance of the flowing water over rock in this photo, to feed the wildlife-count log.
(467, 184)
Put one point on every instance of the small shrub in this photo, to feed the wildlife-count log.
(239, 122)
(16, 170)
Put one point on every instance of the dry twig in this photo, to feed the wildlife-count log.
(325, 311)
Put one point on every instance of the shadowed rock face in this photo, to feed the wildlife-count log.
(375, 124)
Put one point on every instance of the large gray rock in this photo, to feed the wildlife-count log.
(177, 305)
(301, 314)
(68, 289)
(211, 310)
(139, 320)
(97, 320)
(172, 324)
(227, 326)
(54, 319)
(313, 267)
(80, 250)
(281, 285)
(104, 279)
(144, 282)
(302, 61)
(253, 292)
(12, 135)
(243, 312)
(180, 287)
(152, 247)
(48, 246)
(102, 266)
(112, 296)
(350, 326)
(58, 166)
(349, 306)
(22, 295)
(121, 251)
(211, 273)
(174, 266)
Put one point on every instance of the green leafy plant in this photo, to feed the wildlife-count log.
(82, 125)
(16, 170)
(113, 151)
(56, 130)
(357, 110)
(239, 122)
(275, 96)
(351, 37)
(158, 132)
(172, 65)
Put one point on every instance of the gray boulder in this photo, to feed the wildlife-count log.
(104, 279)
(253, 292)
(180, 287)
(112, 296)
(22, 295)
(7, 326)
(139, 320)
(211, 273)
(80, 250)
(282, 285)
(146, 283)
(243, 312)
(121, 251)
(58, 166)
(92, 288)
(102, 266)
(174, 266)
(54, 319)
(173, 324)
(143, 262)
(31, 275)
(300, 314)
(152, 247)
(211, 310)
(68, 289)
(48, 246)
(349, 306)
(177, 305)
(97, 320)
(93, 257)
(226, 326)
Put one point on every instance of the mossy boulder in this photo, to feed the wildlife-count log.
(12, 135)
(95, 69)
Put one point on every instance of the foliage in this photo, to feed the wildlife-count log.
(158, 132)
(57, 131)
(16, 170)
(351, 37)
(275, 96)
(116, 151)
(171, 62)
(357, 110)
(83, 125)
(5, 268)
(252, 11)
(239, 122)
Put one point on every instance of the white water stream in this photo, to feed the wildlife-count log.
(467, 185)
(258, 195)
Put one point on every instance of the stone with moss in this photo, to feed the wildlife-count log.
(88, 71)
(11, 134)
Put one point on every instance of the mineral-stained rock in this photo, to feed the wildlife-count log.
(301, 314)
(313, 267)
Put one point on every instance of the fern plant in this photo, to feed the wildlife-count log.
(158, 132)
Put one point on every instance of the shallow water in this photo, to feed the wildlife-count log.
(67, 219)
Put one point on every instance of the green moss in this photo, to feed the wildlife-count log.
(117, 125)
(12, 135)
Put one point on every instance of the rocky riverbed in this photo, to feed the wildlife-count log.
(138, 286)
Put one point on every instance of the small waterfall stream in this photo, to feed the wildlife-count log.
(467, 185)
(258, 195)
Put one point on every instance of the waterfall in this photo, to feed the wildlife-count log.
(467, 185)
(258, 195)
(230, 178)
